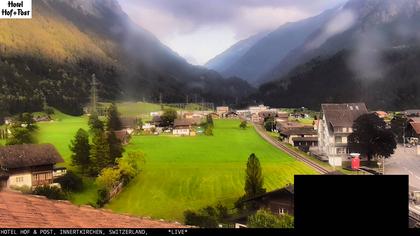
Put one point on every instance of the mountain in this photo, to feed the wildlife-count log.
(52, 57)
(369, 52)
(229, 57)
(360, 25)
(254, 57)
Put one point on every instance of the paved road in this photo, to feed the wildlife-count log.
(405, 162)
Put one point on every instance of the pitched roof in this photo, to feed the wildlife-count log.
(343, 115)
(305, 139)
(182, 122)
(18, 210)
(416, 127)
(307, 130)
(128, 122)
(121, 134)
(27, 155)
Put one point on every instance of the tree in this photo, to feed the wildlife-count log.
(208, 131)
(95, 125)
(116, 148)
(99, 153)
(207, 217)
(26, 120)
(398, 126)
(109, 178)
(80, 148)
(371, 138)
(243, 125)
(140, 123)
(269, 124)
(210, 122)
(70, 182)
(265, 219)
(168, 117)
(128, 165)
(254, 179)
(21, 136)
(113, 121)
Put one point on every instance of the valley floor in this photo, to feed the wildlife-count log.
(183, 173)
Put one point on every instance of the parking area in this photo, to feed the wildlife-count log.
(405, 161)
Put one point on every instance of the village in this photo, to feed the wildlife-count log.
(318, 142)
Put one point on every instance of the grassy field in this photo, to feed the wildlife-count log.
(60, 131)
(192, 172)
(182, 172)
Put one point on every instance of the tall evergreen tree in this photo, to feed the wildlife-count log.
(113, 121)
(254, 179)
(80, 148)
(21, 135)
(99, 153)
(95, 124)
(116, 148)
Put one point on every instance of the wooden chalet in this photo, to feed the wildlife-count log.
(123, 135)
(28, 164)
(182, 127)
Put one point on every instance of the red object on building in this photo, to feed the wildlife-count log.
(355, 163)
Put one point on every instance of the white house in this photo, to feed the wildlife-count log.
(182, 127)
(334, 128)
(258, 109)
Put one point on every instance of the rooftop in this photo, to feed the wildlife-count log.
(343, 115)
(27, 155)
(18, 210)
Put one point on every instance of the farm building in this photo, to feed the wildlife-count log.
(231, 115)
(258, 109)
(123, 135)
(28, 211)
(334, 128)
(129, 123)
(214, 115)
(300, 136)
(283, 126)
(28, 164)
(413, 129)
(156, 121)
(182, 127)
(222, 110)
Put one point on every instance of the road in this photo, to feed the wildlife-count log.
(405, 162)
(289, 150)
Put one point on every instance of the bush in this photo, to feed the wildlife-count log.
(243, 125)
(49, 111)
(208, 131)
(207, 217)
(108, 178)
(128, 167)
(25, 189)
(103, 197)
(70, 182)
(265, 219)
(50, 192)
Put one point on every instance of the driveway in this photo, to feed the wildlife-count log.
(405, 161)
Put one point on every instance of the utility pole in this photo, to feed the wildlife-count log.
(94, 94)
(160, 99)
(186, 99)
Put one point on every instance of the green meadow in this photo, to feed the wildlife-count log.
(192, 172)
(182, 173)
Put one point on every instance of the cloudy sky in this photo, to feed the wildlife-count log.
(198, 30)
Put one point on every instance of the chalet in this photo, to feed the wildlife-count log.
(282, 117)
(214, 115)
(279, 202)
(413, 128)
(28, 164)
(334, 128)
(301, 136)
(129, 124)
(244, 114)
(283, 126)
(267, 114)
(156, 121)
(222, 110)
(29, 211)
(182, 127)
(123, 135)
(231, 115)
(412, 113)
(258, 109)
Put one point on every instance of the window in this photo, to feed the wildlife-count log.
(338, 139)
(19, 179)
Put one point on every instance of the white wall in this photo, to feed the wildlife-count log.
(15, 180)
